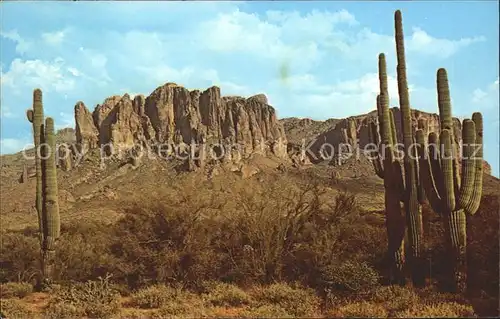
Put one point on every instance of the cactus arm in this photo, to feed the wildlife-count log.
(426, 178)
(421, 146)
(446, 121)
(448, 194)
(380, 116)
(468, 164)
(444, 101)
(435, 161)
(383, 103)
(30, 115)
(394, 136)
(382, 73)
(472, 207)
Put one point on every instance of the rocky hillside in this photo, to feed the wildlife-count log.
(352, 131)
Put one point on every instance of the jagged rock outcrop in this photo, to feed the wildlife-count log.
(173, 115)
(355, 128)
(87, 135)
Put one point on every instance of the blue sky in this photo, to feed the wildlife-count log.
(328, 50)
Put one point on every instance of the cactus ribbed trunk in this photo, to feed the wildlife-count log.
(51, 206)
(36, 117)
(47, 204)
(456, 233)
(411, 205)
(390, 170)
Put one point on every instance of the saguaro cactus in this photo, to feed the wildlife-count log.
(449, 194)
(403, 186)
(389, 168)
(46, 202)
(411, 204)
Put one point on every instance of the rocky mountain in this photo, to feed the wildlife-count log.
(173, 115)
(352, 131)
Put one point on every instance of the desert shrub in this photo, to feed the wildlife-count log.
(15, 289)
(263, 230)
(250, 233)
(297, 301)
(223, 294)
(156, 296)
(438, 310)
(62, 310)
(19, 257)
(14, 309)
(160, 243)
(351, 276)
(95, 299)
(83, 252)
(185, 305)
(359, 310)
(266, 311)
(395, 298)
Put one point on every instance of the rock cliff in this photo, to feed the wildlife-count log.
(173, 115)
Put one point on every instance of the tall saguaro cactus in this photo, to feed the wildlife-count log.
(411, 204)
(405, 186)
(389, 168)
(46, 202)
(449, 194)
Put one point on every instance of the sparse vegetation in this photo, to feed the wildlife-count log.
(95, 299)
(15, 289)
(260, 237)
(297, 301)
(15, 309)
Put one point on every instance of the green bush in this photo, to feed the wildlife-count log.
(15, 289)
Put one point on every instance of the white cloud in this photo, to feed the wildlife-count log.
(421, 42)
(54, 38)
(303, 94)
(486, 98)
(49, 76)
(22, 45)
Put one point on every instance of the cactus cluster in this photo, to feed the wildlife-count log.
(448, 193)
(46, 202)
(430, 173)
